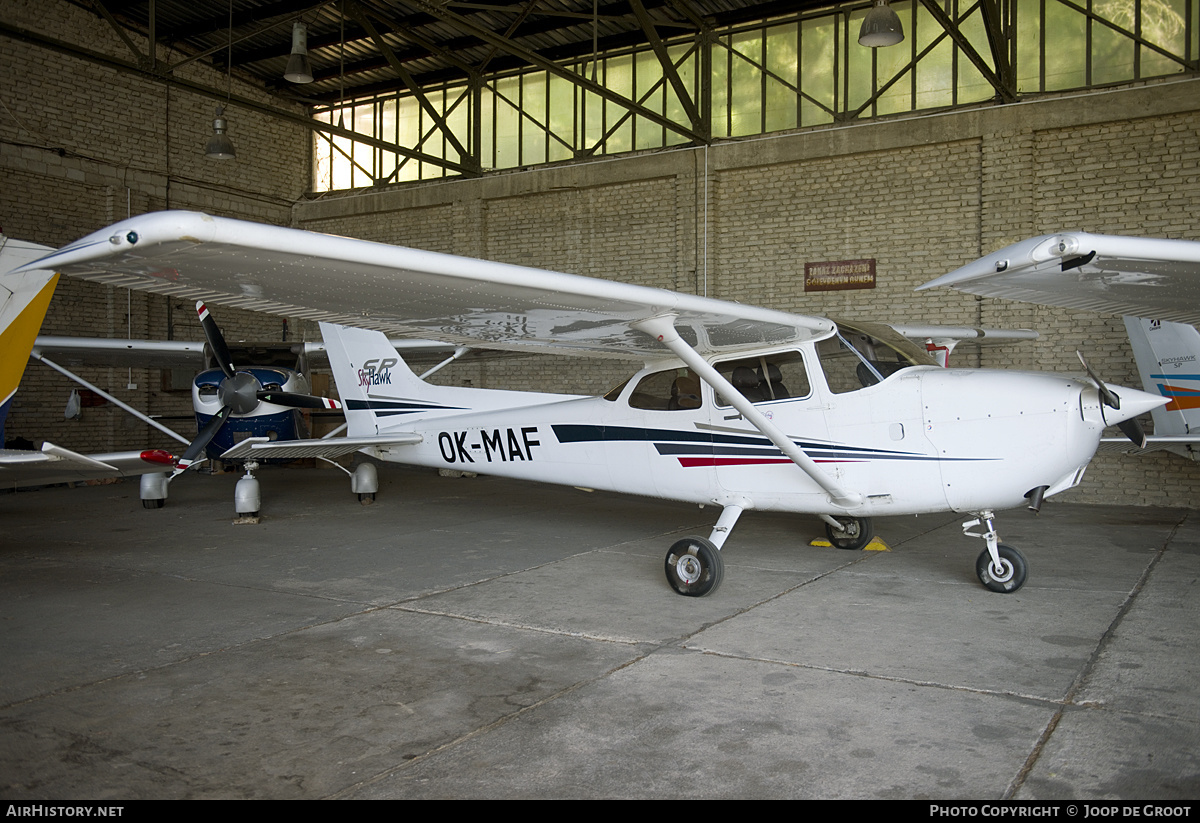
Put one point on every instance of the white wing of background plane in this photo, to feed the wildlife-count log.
(189, 354)
(1115, 275)
(407, 292)
(54, 464)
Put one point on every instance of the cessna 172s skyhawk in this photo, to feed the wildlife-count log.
(737, 406)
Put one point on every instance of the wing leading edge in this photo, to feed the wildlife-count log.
(408, 292)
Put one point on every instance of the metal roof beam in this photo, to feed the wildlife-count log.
(537, 60)
(103, 11)
(463, 155)
(668, 68)
(1005, 93)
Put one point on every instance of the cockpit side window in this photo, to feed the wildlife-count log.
(865, 354)
(764, 378)
(670, 390)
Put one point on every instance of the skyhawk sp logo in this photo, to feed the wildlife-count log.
(376, 372)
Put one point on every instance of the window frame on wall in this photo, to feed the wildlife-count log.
(797, 71)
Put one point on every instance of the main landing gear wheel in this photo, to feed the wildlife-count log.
(1011, 574)
(694, 567)
(856, 532)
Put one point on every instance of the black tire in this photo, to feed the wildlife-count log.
(366, 498)
(694, 567)
(857, 533)
(153, 504)
(1015, 570)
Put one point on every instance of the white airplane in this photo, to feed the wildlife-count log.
(735, 406)
(1146, 277)
(24, 299)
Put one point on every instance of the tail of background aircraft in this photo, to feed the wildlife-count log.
(24, 300)
(1168, 361)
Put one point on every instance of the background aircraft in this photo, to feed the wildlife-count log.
(24, 299)
(246, 417)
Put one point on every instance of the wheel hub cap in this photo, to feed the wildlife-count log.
(1002, 573)
(688, 568)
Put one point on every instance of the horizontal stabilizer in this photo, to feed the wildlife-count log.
(264, 448)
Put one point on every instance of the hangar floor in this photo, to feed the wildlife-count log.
(489, 638)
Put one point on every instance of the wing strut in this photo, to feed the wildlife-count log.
(662, 328)
(125, 406)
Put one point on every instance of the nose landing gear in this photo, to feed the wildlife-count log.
(1000, 567)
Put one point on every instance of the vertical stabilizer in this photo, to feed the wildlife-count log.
(24, 299)
(1168, 361)
(379, 392)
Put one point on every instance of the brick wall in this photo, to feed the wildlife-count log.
(82, 146)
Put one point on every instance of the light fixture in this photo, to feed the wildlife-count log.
(881, 27)
(219, 146)
(299, 70)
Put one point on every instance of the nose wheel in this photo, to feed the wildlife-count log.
(1006, 576)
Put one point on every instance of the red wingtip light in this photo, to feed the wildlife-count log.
(158, 456)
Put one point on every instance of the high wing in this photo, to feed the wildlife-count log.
(407, 292)
(940, 341)
(1116, 275)
(102, 351)
(54, 464)
(961, 334)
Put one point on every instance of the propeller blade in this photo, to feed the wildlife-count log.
(1110, 399)
(1132, 429)
(216, 340)
(196, 449)
(298, 401)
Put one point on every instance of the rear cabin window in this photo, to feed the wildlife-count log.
(762, 379)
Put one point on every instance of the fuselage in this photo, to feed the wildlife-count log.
(919, 439)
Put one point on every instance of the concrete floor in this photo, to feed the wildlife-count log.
(487, 638)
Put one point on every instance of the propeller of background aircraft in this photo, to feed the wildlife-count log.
(240, 392)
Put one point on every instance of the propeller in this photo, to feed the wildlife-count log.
(1130, 427)
(239, 393)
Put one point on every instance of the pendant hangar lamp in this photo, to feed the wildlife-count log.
(219, 146)
(299, 69)
(881, 27)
